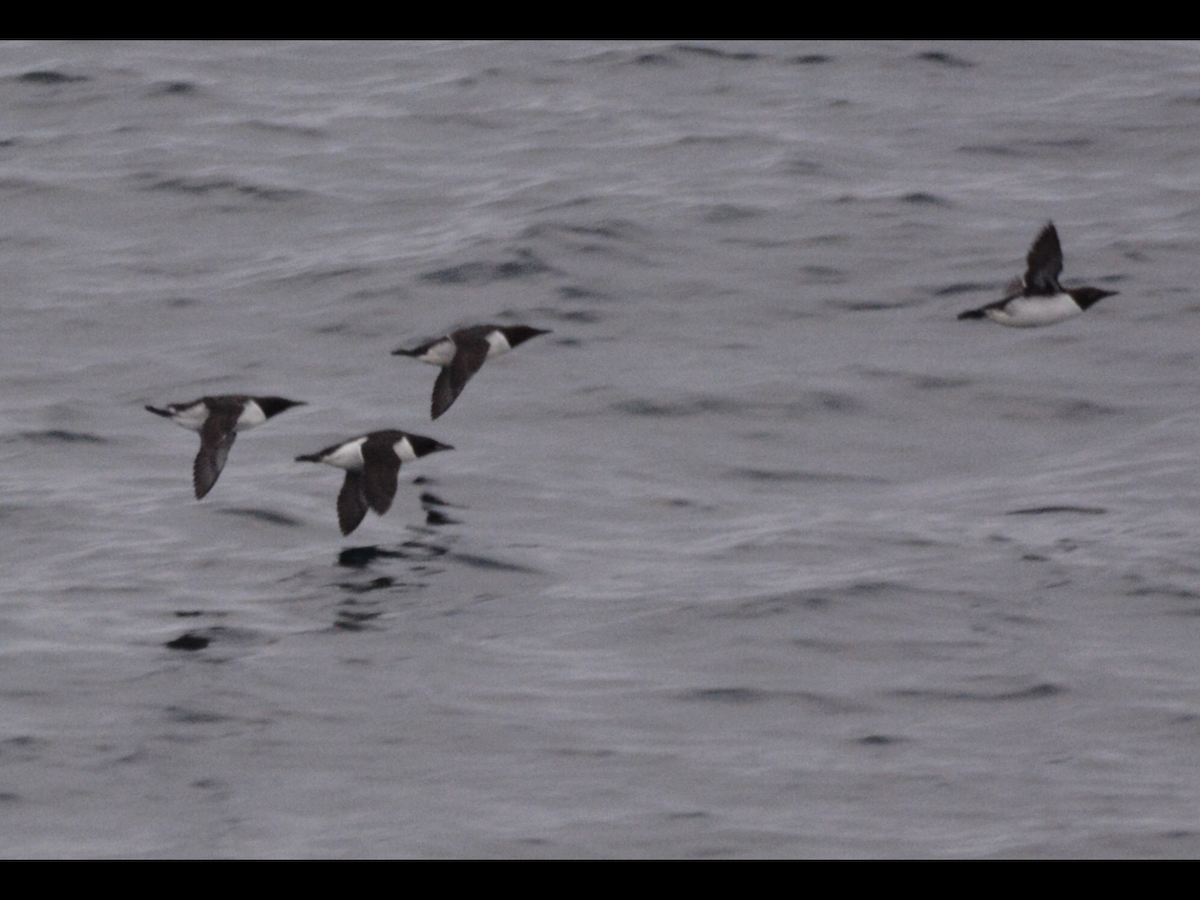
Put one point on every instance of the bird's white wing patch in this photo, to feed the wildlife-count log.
(405, 451)
(251, 416)
(497, 343)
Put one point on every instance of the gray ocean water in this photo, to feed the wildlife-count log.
(761, 553)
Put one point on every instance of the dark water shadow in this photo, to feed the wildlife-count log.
(49, 77)
(435, 510)
(231, 641)
(1033, 692)
(1050, 510)
(379, 577)
(525, 265)
(60, 436)
(746, 696)
(810, 59)
(487, 562)
(880, 740)
(965, 287)
(415, 550)
(943, 58)
(220, 188)
(925, 198)
(703, 50)
(173, 88)
(189, 641)
(803, 476)
(262, 515)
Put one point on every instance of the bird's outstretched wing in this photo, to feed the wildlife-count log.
(381, 475)
(352, 502)
(453, 378)
(1044, 263)
(216, 437)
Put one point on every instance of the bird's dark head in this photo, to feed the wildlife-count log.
(1088, 296)
(423, 446)
(519, 334)
(273, 406)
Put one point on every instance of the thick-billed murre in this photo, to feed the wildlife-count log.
(219, 419)
(461, 353)
(1038, 298)
(372, 463)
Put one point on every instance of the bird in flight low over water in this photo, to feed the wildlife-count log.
(219, 419)
(372, 464)
(1038, 298)
(461, 353)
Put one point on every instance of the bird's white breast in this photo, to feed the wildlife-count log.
(1030, 312)
(440, 354)
(348, 456)
(191, 418)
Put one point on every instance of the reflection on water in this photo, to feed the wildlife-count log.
(361, 557)
(434, 514)
(368, 597)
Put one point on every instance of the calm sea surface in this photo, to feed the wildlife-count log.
(761, 553)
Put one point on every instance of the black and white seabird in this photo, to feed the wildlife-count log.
(219, 419)
(372, 464)
(1038, 298)
(461, 353)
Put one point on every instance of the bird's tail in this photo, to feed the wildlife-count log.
(309, 457)
(973, 314)
(159, 412)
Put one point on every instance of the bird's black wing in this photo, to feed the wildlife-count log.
(453, 378)
(1044, 263)
(352, 502)
(216, 437)
(381, 475)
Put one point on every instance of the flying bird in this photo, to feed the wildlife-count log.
(372, 463)
(219, 419)
(1038, 298)
(460, 355)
